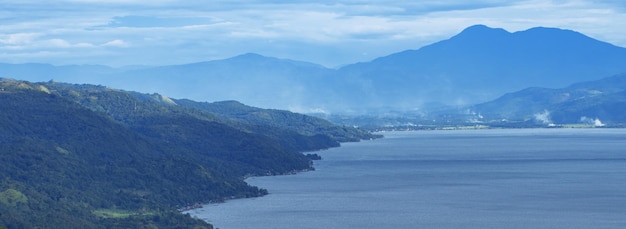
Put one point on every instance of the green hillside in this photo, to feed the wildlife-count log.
(84, 156)
(270, 118)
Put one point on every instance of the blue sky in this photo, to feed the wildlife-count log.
(162, 32)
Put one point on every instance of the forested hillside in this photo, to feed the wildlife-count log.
(598, 102)
(84, 156)
(302, 124)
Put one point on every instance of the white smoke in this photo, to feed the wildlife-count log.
(475, 117)
(308, 110)
(595, 122)
(544, 118)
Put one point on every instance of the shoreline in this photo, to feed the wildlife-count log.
(224, 215)
(263, 192)
(489, 127)
(309, 154)
(381, 132)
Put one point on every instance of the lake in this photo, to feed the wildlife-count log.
(521, 178)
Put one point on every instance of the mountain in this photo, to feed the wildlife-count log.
(477, 65)
(254, 79)
(597, 102)
(87, 156)
(37, 72)
(482, 63)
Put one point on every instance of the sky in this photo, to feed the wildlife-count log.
(167, 32)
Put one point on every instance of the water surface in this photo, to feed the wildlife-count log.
(527, 178)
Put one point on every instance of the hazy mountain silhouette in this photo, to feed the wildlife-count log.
(38, 72)
(482, 63)
(251, 78)
(477, 65)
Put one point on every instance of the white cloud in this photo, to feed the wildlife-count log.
(18, 38)
(124, 2)
(327, 33)
(57, 43)
(116, 43)
(60, 43)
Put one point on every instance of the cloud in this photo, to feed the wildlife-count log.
(152, 21)
(56, 43)
(330, 33)
(35, 41)
(116, 43)
(117, 2)
(17, 38)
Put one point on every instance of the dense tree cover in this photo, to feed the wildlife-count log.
(63, 161)
(299, 123)
(136, 109)
(71, 152)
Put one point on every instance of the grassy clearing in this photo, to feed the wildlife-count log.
(12, 197)
(114, 213)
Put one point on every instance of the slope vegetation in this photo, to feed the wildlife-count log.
(84, 156)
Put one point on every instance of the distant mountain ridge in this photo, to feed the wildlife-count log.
(482, 63)
(598, 102)
(477, 65)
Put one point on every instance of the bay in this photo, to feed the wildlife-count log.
(521, 178)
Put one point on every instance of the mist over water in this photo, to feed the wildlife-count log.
(529, 178)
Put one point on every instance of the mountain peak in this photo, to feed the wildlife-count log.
(258, 58)
(481, 31)
(555, 34)
(477, 27)
(541, 29)
(250, 57)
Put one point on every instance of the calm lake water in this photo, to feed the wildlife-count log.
(527, 178)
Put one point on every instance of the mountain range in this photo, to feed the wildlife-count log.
(477, 65)
(482, 63)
